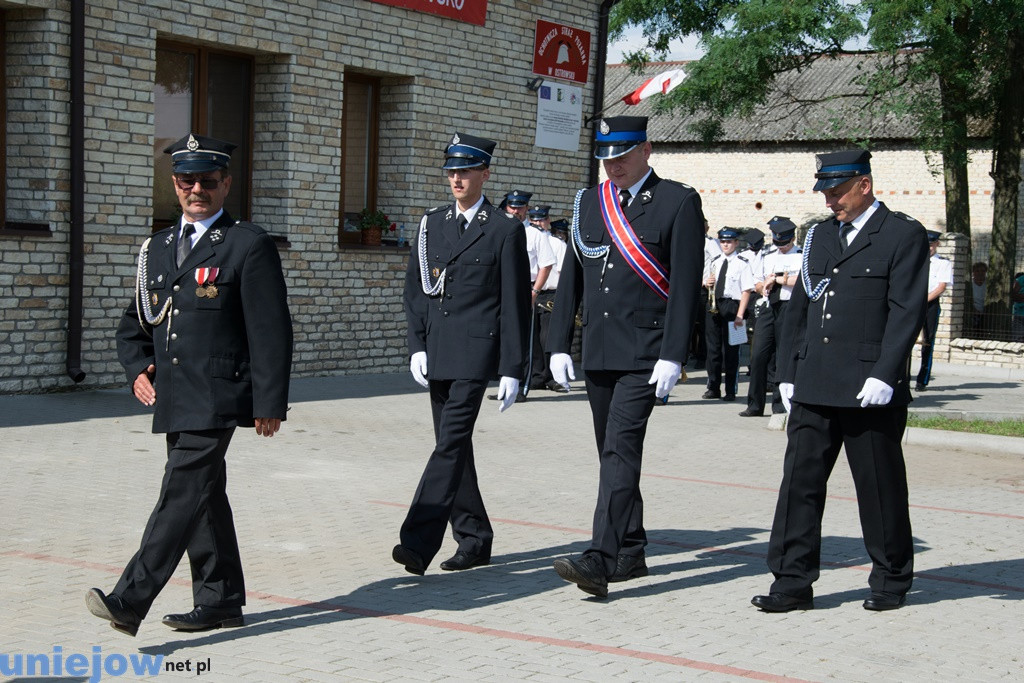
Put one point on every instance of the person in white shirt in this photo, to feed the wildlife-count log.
(730, 281)
(940, 277)
(543, 300)
(777, 270)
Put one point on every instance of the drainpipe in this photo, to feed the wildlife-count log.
(599, 79)
(76, 238)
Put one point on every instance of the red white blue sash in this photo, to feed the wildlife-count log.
(636, 255)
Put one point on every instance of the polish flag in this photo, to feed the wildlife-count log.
(662, 83)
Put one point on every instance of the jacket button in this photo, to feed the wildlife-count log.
(446, 314)
(174, 336)
(828, 316)
(174, 361)
(176, 311)
(606, 290)
(177, 288)
(611, 265)
(825, 340)
(835, 270)
(159, 278)
(606, 314)
(236, 373)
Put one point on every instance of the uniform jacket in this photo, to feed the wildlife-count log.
(220, 361)
(865, 323)
(626, 325)
(478, 328)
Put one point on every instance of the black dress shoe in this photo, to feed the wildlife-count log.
(780, 602)
(587, 573)
(557, 388)
(414, 564)
(114, 609)
(205, 618)
(464, 560)
(711, 393)
(628, 567)
(750, 412)
(729, 397)
(880, 602)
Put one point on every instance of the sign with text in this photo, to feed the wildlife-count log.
(559, 116)
(561, 52)
(469, 11)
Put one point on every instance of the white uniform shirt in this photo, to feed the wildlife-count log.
(558, 248)
(738, 279)
(940, 269)
(711, 249)
(538, 246)
(776, 262)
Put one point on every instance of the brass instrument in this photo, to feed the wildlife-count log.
(550, 306)
(712, 300)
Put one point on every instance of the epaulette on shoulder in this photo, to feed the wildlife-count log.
(944, 258)
(742, 258)
(715, 258)
(905, 217)
(438, 208)
(768, 249)
(676, 182)
(251, 227)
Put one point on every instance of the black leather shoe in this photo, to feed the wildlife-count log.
(880, 602)
(711, 393)
(628, 567)
(414, 564)
(205, 618)
(114, 609)
(729, 397)
(919, 387)
(464, 560)
(780, 602)
(749, 412)
(557, 388)
(587, 573)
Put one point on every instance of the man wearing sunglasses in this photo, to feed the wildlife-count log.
(207, 342)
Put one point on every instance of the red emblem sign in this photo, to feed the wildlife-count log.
(561, 52)
(469, 11)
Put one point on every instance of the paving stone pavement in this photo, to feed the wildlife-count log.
(318, 509)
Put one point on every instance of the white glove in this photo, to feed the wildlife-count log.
(418, 368)
(666, 374)
(786, 394)
(875, 392)
(508, 389)
(561, 369)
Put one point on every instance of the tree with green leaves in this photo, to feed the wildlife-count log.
(949, 65)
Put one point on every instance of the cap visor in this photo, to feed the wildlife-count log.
(612, 151)
(826, 183)
(195, 166)
(455, 163)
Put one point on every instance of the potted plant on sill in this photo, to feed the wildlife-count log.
(372, 224)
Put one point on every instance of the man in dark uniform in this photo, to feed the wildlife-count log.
(776, 272)
(207, 341)
(847, 334)
(631, 236)
(544, 298)
(467, 302)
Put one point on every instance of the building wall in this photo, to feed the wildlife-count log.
(438, 75)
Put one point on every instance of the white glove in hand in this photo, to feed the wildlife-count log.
(418, 368)
(786, 394)
(508, 388)
(561, 369)
(875, 392)
(666, 374)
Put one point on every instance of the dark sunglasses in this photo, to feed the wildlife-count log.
(187, 182)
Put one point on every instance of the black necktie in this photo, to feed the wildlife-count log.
(844, 235)
(462, 225)
(185, 243)
(624, 198)
(720, 282)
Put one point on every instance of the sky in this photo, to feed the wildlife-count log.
(633, 39)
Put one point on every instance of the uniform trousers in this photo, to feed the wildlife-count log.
(448, 490)
(698, 341)
(764, 350)
(540, 372)
(872, 439)
(620, 403)
(723, 357)
(931, 326)
(192, 515)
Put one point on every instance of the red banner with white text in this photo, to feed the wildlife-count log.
(469, 11)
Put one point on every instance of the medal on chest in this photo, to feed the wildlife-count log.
(205, 278)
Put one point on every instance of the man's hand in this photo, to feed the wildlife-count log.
(786, 394)
(267, 426)
(561, 369)
(508, 389)
(143, 387)
(665, 375)
(875, 392)
(418, 368)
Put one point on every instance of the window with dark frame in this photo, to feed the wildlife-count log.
(210, 93)
(3, 118)
(359, 150)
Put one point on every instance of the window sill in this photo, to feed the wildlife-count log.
(26, 230)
